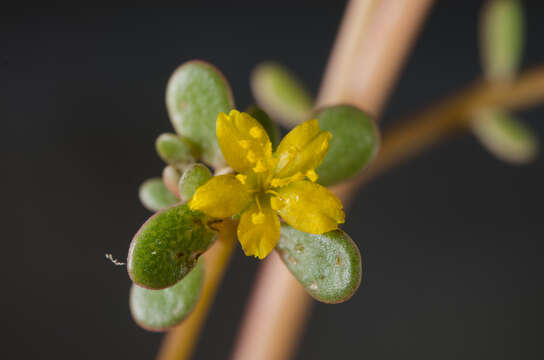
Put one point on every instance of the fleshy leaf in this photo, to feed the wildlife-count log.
(328, 266)
(174, 150)
(279, 92)
(268, 124)
(506, 137)
(168, 245)
(502, 38)
(170, 178)
(159, 310)
(192, 179)
(354, 144)
(196, 93)
(155, 196)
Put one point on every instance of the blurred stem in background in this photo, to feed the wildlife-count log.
(180, 341)
(374, 39)
(372, 43)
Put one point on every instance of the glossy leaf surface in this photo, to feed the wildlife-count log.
(196, 93)
(354, 144)
(192, 179)
(159, 310)
(168, 245)
(174, 150)
(327, 265)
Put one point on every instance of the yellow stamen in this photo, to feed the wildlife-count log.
(279, 182)
(255, 132)
(260, 167)
(242, 178)
(312, 175)
(258, 203)
(272, 192)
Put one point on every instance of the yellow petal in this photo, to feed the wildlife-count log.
(302, 149)
(243, 140)
(309, 207)
(259, 230)
(221, 197)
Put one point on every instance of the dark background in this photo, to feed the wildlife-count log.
(452, 239)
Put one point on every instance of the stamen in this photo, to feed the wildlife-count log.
(312, 175)
(280, 182)
(260, 167)
(272, 192)
(258, 204)
(242, 178)
(255, 132)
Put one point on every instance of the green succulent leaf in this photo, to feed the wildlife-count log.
(502, 38)
(279, 92)
(174, 150)
(196, 93)
(155, 196)
(192, 179)
(170, 178)
(168, 245)
(354, 144)
(159, 310)
(269, 125)
(506, 137)
(328, 265)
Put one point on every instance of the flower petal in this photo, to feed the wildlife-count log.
(221, 197)
(259, 230)
(243, 141)
(302, 149)
(309, 207)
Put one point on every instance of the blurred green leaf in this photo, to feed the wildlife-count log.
(168, 245)
(196, 93)
(354, 144)
(502, 38)
(174, 150)
(155, 196)
(506, 137)
(192, 179)
(159, 310)
(279, 92)
(269, 125)
(328, 265)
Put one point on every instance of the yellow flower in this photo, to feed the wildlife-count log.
(269, 184)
